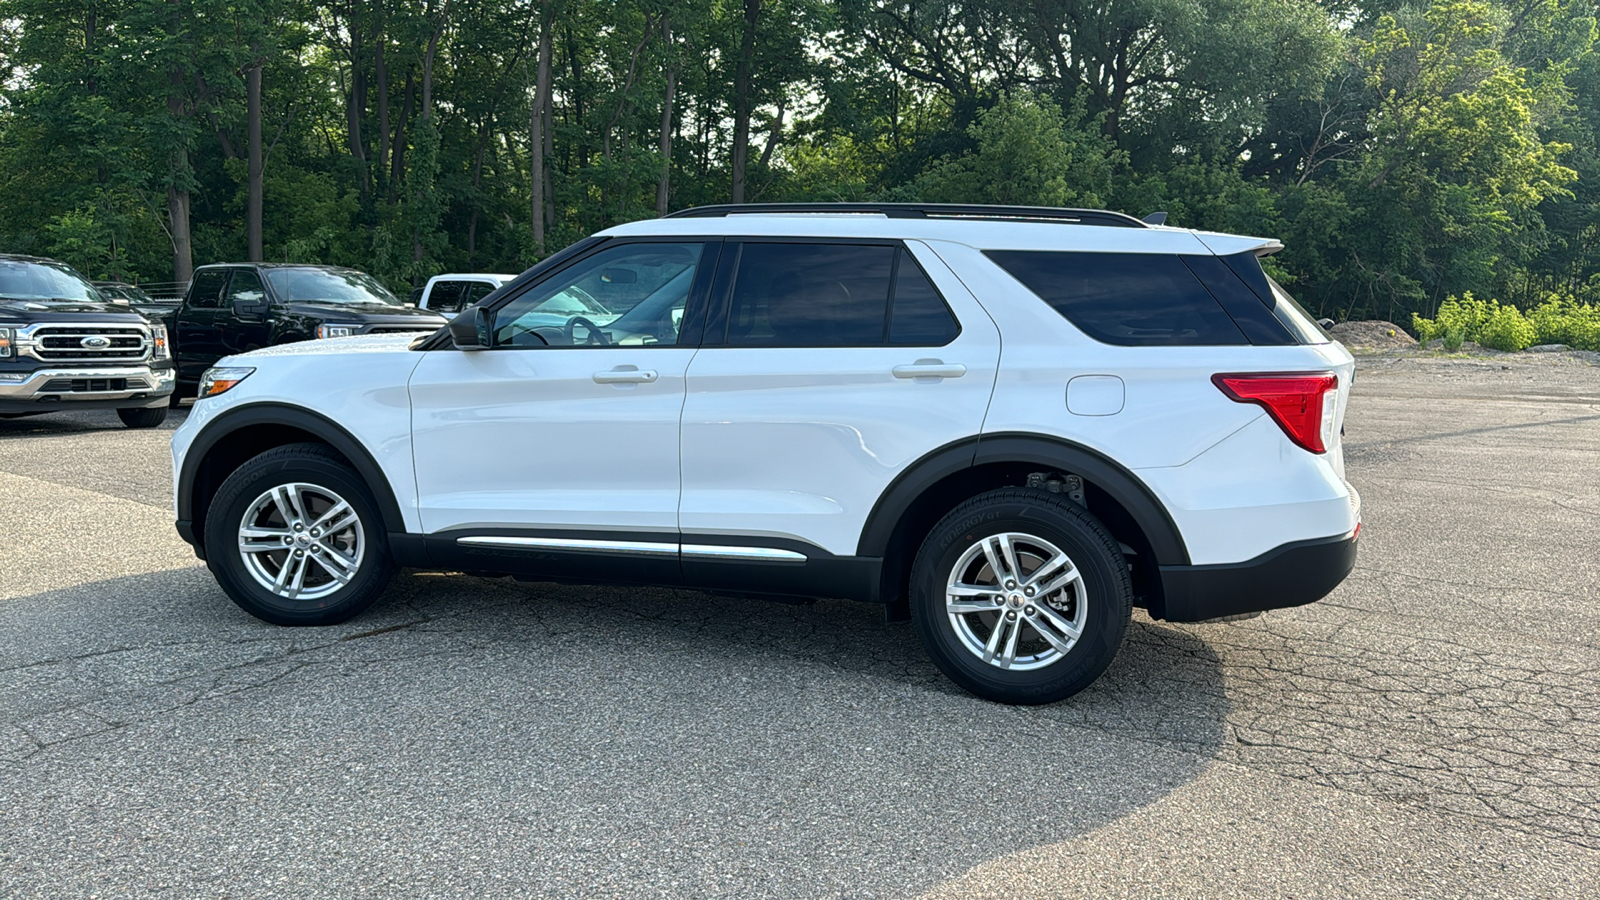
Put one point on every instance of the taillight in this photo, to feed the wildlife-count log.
(1299, 402)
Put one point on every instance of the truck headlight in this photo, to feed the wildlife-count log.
(331, 331)
(5, 343)
(220, 379)
(160, 349)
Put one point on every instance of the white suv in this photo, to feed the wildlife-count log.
(1010, 425)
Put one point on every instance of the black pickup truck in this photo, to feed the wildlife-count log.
(236, 307)
(64, 347)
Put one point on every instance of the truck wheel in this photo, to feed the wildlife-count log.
(294, 537)
(1021, 596)
(149, 417)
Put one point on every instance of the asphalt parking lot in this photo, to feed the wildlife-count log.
(1431, 729)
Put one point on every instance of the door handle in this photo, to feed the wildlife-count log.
(929, 368)
(626, 375)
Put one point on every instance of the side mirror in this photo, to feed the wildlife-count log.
(1325, 323)
(249, 309)
(473, 329)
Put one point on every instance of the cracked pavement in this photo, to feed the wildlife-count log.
(1432, 728)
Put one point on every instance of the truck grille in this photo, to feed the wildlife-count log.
(94, 342)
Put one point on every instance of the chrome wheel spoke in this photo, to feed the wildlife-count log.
(973, 599)
(1009, 656)
(1001, 625)
(1051, 637)
(1048, 568)
(338, 517)
(337, 564)
(1058, 622)
(1057, 583)
(1008, 555)
(289, 503)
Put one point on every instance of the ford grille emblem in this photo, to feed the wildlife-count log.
(95, 342)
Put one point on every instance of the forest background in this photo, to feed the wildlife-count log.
(1403, 152)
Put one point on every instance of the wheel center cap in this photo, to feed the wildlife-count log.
(1014, 601)
(303, 539)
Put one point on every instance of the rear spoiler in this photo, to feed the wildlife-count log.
(1229, 244)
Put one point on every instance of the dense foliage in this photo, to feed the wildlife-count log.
(1404, 152)
(1501, 326)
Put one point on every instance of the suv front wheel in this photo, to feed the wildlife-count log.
(294, 538)
(1021, 596)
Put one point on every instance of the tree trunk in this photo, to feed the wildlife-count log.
(428, 58)
(356, 103)
(253, 115)
(577, 97)
(664, 143)
(477, 179)
(397, 171)
(381, 165)
(741, 101)
(537, 133)
(178, 175)
(182, 248)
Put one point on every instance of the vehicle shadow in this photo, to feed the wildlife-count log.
(70, 421)
(569, 736)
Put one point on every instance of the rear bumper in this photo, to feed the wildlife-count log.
(1293, 574)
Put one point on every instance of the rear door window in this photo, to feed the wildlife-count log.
(811, 295)
(1129, 299)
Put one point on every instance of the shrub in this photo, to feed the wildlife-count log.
(1558, 320)
(1561, 320)
(1468, 314)
(1507, 330)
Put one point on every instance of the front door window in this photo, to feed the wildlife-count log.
(629, 295)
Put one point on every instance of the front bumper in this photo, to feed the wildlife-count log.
(1293, 574)
(85, 387)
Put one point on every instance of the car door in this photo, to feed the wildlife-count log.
(563, 436)
(249, 331)
(199, 325)
(828, 370)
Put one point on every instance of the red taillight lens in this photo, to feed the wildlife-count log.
(1294, 400)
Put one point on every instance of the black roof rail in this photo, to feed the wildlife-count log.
(977, 212)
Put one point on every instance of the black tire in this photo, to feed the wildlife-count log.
(320, 469)
(148, 417)
(1104, 591)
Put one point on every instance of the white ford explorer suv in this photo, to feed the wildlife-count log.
(1011, 425)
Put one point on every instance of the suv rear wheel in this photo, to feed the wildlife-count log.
(295, 538)
(1021, 596)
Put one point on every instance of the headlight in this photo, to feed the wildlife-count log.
(5, 342)
(219, 380)
(328, 331)
(160, 349)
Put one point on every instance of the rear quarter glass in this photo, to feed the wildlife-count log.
(1128, 299)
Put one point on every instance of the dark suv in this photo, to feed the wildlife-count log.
(62, 346)
(234, 307)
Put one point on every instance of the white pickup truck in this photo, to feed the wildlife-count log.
(450, 294)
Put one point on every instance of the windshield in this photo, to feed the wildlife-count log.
(323, 286)
(44, 281)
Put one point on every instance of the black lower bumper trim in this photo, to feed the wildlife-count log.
(1291, 575)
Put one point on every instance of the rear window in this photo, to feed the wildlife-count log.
(1130, 299)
